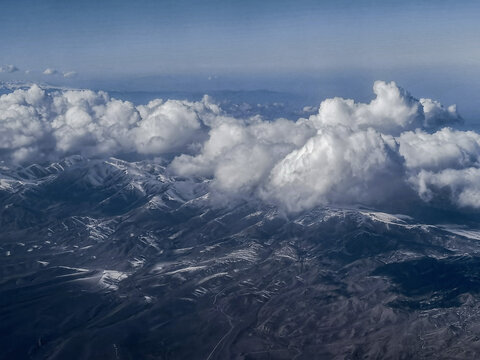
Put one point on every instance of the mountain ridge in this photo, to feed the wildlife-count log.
(129, 262)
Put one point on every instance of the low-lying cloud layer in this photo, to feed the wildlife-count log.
(345, 153)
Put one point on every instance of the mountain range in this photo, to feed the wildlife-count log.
(111, 259)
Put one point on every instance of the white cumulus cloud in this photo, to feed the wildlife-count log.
(461, 186)
(337, 166)
(392, 111)
(36, 125)
(346, 153)
(369, 153)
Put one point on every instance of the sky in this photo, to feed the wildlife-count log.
(320, 47)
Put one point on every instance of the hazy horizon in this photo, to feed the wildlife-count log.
(316, 49)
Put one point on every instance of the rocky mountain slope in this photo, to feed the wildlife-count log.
(111, 259)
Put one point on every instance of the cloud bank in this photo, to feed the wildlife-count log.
(347, 152)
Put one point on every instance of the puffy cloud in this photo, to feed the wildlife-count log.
(393, 111)
(50, 71)
(347, 153)
(25, 131)
(437, 115)
(36, 125)
(371, 153)
(169, 126)
(443, 165)
(445, 148)
(337, 166)
(240, 155)
(8, 68)
(460, 186)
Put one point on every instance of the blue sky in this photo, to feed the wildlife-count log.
(132, 37)
(258, 44)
